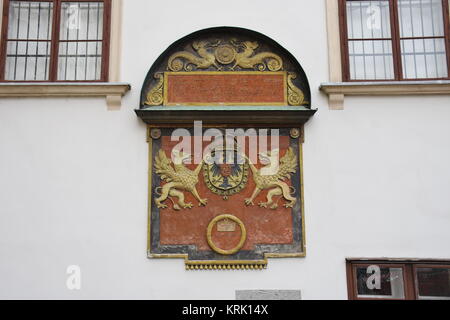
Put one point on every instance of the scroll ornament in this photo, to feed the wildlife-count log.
(155, 97)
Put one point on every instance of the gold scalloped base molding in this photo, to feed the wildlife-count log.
(226, 265)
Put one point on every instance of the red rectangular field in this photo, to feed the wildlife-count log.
(264, 226)
(225, 88)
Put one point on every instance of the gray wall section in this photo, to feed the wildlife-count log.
(268, 295)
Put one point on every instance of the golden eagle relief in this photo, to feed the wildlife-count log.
(178, 179)
(271, 177)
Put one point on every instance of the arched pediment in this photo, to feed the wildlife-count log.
(237, 72)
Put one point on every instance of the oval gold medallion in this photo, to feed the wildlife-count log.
(225, 54)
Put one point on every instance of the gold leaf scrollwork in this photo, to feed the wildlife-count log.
(155, 97)
(295, 95)
(241, 53)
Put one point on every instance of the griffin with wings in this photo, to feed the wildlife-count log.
(271, 177)
(178, 178)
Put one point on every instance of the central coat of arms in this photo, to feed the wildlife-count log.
(226, 172)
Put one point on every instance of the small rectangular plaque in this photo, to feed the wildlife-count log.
(225, 88)
(226, 226)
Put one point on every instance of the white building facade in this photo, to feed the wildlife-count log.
(74, 155)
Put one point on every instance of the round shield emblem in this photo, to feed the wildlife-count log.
(226, 172)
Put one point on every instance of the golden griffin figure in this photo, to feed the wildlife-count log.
(203, 61)
(242, 53)
(248, 60)
(271, 177)
(178, 179)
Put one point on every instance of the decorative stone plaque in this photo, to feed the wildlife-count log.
(226, 225)
(194, 218)
(228, 193)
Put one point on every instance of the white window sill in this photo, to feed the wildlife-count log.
(113, 92)
(336, 91)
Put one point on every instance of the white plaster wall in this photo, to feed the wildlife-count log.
(73, 185)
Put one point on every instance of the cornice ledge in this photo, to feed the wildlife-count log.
(216, 115)
(113, 91)
(338, 90)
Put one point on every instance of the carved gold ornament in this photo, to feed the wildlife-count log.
(225, 54)
(226, 265)
(260, 61)
(295, 95)
(295, 133)
(185, 60)
(155, 133)
(155, 97)
(178, 178)
(241, 53)
(274, 183)
(241, 241)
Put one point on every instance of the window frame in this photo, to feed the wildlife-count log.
(396, 43)
(55, 41)
(409, 267)
(386, 264)
(421, 265)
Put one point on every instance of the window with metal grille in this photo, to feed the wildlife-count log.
(395, 39)
(55, 40)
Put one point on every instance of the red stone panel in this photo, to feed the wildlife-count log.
(226, 88)
(188, 227)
